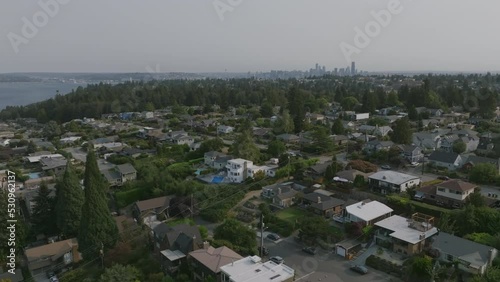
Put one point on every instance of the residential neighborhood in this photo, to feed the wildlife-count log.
(228, 193)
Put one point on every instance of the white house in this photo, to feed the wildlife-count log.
(252, 269)
(367, 212)
(237, 169)
(224, 129)
(388, 181)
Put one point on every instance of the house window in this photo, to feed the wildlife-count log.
(449, 257)
(441, 189)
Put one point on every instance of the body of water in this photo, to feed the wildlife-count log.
(24, 93)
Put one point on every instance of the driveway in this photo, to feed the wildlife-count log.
(324, 266)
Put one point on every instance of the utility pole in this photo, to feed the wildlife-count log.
(192, 211)
(101, 252)
(288, 169)
(261, 234)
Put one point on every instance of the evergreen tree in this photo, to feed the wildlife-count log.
(97, 225)
(284, 124)
(69, 204)
(44, 212)
(338, 127)
(401, 133)
(296, 102)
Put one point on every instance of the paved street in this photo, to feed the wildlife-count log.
(324, 266)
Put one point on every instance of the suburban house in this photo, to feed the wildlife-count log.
(150, 209)
(53, 256)
(207, 261)
(318, 170)
(238, 170)
(406, 236)
(475, 160)
(427, 140)
(282, 194)
(288, 138)
(472, 257)
(388, 181)
(359, 116)
(350, 175)
(322, 204)
(340, 139)
(53, 166)
(451, 193)
(210, 157)
(173, 243)
(182, 140)
(411, 153)
(120, 174)
(252, 269)
(451, 161)
(380, 131)
(367, 212)
(224, 129)
(377, 145)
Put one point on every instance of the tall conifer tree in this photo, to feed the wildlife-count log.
(97, 225)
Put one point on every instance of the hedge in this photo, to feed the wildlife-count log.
(125, 198)
(384, 265)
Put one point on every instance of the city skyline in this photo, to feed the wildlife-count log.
(248, 36)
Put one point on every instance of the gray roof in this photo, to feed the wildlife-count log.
(444, 157)
(126, 168)
(111, 175)
(214, 154)
(50, 163)
(172, 233)
(472, 252)
(480, 160)
(393, 177)
(313, 197)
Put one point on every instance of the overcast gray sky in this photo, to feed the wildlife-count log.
(256, 35)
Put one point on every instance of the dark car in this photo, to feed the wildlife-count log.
(273, 237)
(309, 250)
(50, 274)
(276, 259)
(443, 178)
(385, 167)
(359, 269)
(265, 251)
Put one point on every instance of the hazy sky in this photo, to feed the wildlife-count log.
(255, 35)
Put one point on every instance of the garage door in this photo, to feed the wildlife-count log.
(340, 251)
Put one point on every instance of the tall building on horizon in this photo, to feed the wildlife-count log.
(353, 68)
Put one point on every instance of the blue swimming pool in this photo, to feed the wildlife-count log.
(217, 179)
(35, 175)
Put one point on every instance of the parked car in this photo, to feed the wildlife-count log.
(359, 269)
(443, 178)
(385, 166)
(309, 250)
(276, 259)
(273, 237)
(414, 164)
(54, 279)
(50, 274)
(265, 251)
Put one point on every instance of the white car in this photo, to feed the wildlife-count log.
(414, 164)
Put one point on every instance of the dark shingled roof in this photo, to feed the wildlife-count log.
(444, 157)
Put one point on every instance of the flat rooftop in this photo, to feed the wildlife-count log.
(393, 177)
(251, 269)
(368, 211)
(402, 231)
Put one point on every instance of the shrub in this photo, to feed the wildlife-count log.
(125, 198)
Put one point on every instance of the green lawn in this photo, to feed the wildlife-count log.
(292, 214)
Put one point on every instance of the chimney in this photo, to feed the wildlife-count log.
(319, 200)
(492, 254)
(279, 191)
(206, 245)
(195, 247)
